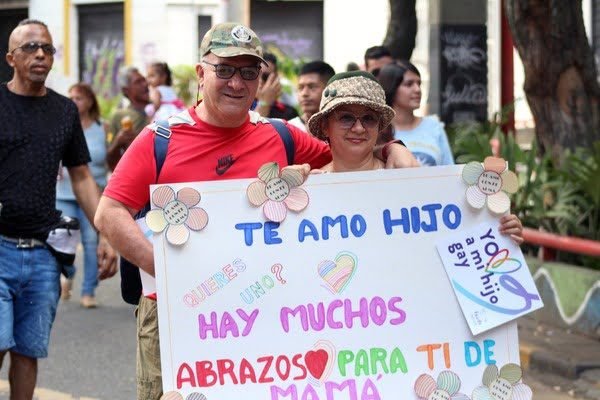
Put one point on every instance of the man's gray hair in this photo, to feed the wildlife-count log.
(125, 75)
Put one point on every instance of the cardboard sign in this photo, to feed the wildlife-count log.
(347, 299)
(490, 277)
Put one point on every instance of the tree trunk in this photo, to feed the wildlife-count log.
(402, 29)
(560, 75)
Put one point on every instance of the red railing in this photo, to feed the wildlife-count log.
(564, 243)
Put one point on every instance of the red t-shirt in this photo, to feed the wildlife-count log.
(201, 152)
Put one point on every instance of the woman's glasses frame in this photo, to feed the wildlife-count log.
(347, 120)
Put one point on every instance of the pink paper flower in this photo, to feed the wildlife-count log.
(277, 192)
(502, 386)
(176, 213)
(446, 387)
(490, 183)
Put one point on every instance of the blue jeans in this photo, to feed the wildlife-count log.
(89, 239)
(29, 292)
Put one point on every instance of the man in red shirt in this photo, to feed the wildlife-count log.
(217, 139)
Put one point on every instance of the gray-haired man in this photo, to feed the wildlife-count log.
(126, 123)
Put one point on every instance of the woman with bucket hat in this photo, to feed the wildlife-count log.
(353, 113)
(351, 116)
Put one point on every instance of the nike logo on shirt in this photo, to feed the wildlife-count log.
(224, 163)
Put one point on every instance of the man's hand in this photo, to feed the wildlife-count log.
(303, 169)
(107, 259)
(400, 157)
(115, 221)
(269, 90)
(124, 138)
(117, 147)
(511, 225)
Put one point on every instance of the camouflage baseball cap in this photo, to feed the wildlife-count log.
(230, 39)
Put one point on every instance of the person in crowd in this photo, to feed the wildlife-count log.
(269, 101)
(352, 66)
(377, 57)
(42, 128)
(312, 80)
(84, 98)
(164, 100)
(424, 136)
(126, 123)
(220, 127)
(351, 120)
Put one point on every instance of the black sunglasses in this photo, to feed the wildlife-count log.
(225, 71)
(32, 47)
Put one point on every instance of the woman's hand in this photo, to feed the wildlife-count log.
(511, 225)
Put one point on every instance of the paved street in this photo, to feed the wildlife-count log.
(92, 354)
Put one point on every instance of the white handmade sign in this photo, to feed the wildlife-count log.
(345, 299)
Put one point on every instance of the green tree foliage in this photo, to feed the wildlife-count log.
(185, 83)
(559, 198)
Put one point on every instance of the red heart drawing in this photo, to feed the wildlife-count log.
(316, 361)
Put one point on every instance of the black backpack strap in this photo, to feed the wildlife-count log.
(162, 134)
(286, 137)
(161, 143)
(131, 283)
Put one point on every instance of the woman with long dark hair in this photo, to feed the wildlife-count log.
(424, 136)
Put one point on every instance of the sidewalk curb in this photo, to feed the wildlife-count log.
(533, 357)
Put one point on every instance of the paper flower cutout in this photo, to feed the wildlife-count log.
(171, 396)
(502, 386)
(177, 396)
(176, 213)
(445, 388)
(489, 184)
(277, 191)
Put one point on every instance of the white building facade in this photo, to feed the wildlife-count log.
(95, 37)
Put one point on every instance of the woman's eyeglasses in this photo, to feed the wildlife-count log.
(225, 71)
(347, 120)
(32, 47)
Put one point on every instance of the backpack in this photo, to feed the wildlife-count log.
(131, 283)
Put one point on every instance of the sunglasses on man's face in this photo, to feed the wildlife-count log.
(226, 71)
(32, 47)
(347, 120)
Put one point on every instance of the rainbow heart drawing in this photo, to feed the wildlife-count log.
(337, 274)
